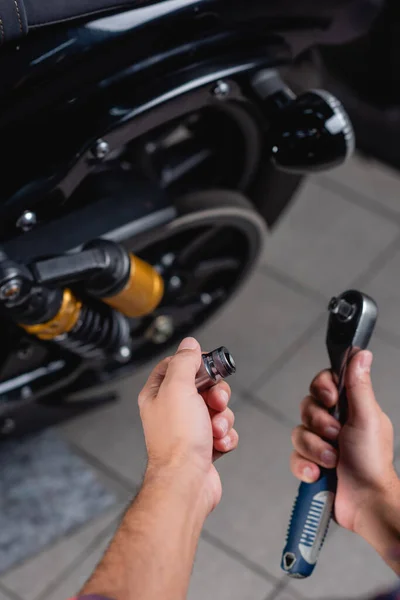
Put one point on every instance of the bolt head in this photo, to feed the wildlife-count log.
(101, 149)
(206, 299)
(124, 353)
(10, 289)
(27, 220)
(221, 89)
(161, 330)
(167, 259)
(175, 282)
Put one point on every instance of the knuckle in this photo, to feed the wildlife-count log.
(296, 435)
(304, 404)
(141, 398)
(319, 380)
(230, 416)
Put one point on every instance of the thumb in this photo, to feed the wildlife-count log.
(184, 365)
(360, 395)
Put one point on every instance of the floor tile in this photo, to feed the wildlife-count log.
(384, 287)
(370, 178)
(347, 568)
(113, 434)
(287, 387)
(286, 595)
(260, 324)
(326, 242)
(71, 584)
(4, 596)
(258, 490)
(217, 575)
(31, 578)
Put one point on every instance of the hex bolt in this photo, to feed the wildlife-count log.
(124, 353)
(10, 289)
(101, 149)
(175, 282)
(27, 220)
(167, 259)
(161, 329)
(221, 89)
(206, 299)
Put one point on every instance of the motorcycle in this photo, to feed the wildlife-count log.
(146, 148)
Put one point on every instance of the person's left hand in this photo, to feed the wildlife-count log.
(185, 430)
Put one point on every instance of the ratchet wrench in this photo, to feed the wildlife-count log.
(351, 323)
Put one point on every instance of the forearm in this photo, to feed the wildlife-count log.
(152, 553)
(380, 524)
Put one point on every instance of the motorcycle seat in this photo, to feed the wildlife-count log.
(19, 16)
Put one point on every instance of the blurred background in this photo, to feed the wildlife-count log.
(344, 230)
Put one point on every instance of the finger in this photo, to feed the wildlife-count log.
(218, 396)
(222, 423)
(227, 443)
(362, 403)
(318, 420)
(324, 389)
(303, 469)
(155, 379)
(312, 447)
(184, 365)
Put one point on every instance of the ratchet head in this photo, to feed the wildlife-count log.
(351, 323)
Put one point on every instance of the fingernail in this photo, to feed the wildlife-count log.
(308, 475)
(188, 343)
(365, 361)
(223, 394)
(223, 426)
(332, 432)
(328, 458)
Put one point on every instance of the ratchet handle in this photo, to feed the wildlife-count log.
(351, 323)
(308, 525)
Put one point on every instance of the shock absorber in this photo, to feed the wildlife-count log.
(120, 284)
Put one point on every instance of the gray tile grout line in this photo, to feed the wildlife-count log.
(357, 198)
(78, 559)
(291, 283)
(133, 488)
(287, 354)
(128, 486)
(239, 557)
(266, 409)
(281, 587)
(8, 592)
(276, 591)
(378, 263)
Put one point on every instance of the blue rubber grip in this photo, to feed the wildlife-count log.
(309, 524)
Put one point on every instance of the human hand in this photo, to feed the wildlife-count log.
(364, 458)
(185, 430)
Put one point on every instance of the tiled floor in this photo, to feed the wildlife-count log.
(343, 230)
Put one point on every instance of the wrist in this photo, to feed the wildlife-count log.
(180, 483)
(376, 511)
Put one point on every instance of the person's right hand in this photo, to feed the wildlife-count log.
(365, 457)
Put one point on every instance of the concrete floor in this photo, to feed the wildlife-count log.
(342, 231)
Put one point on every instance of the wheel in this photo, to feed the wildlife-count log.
(204, 255)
